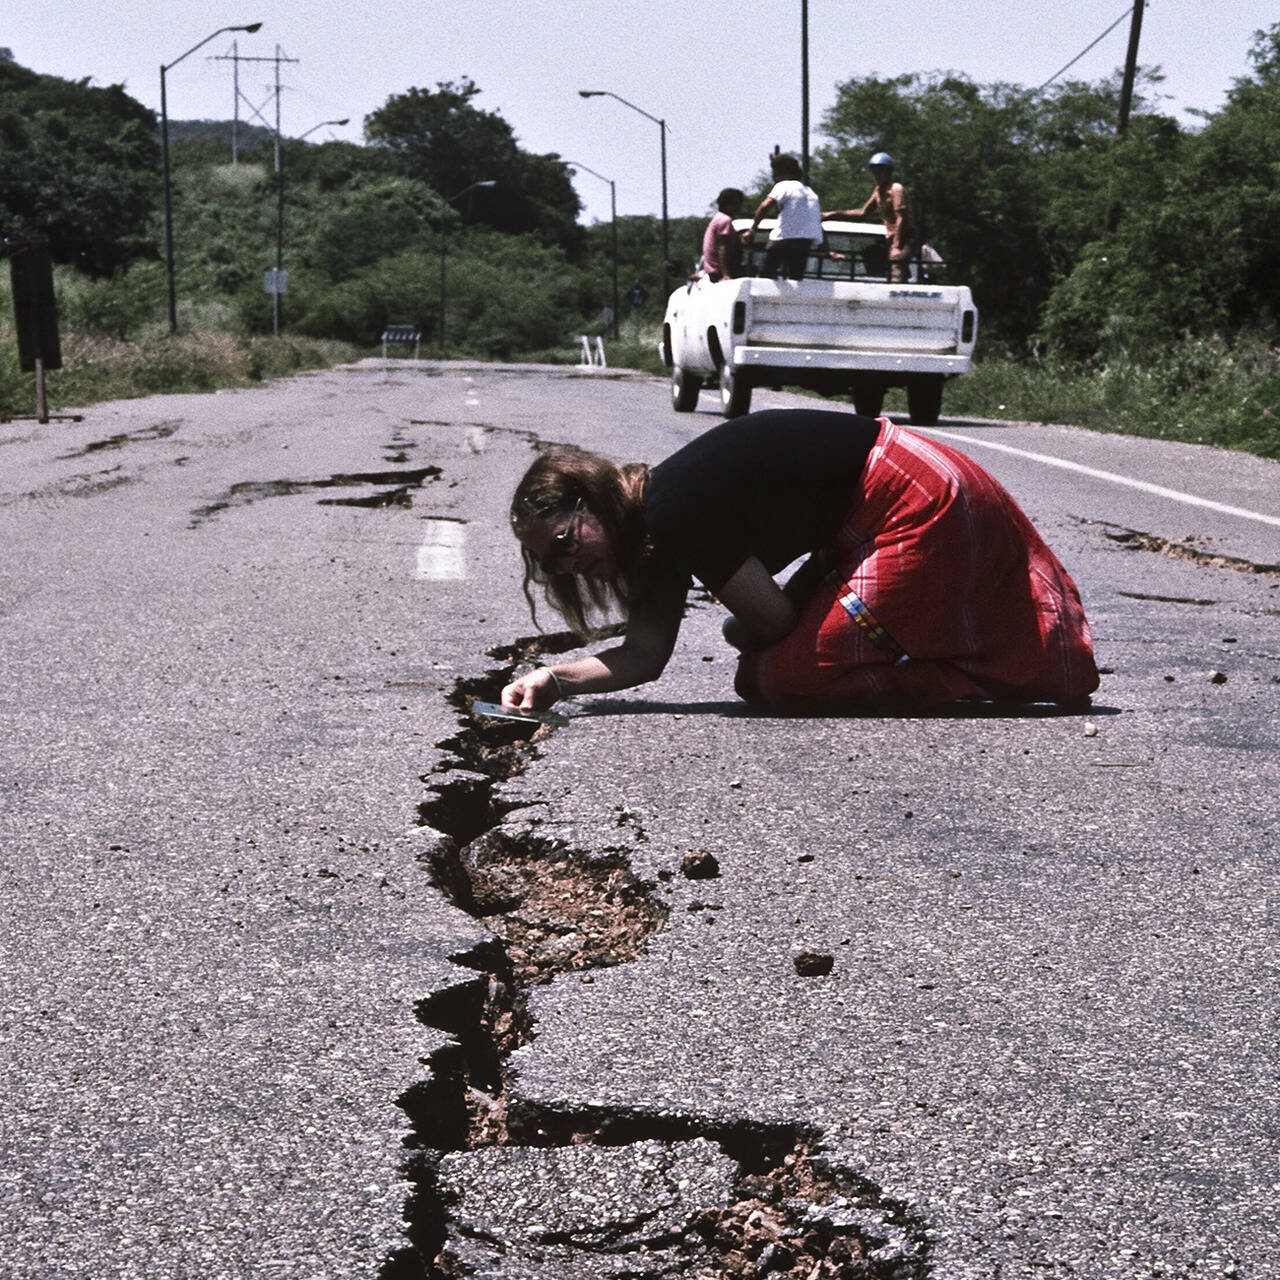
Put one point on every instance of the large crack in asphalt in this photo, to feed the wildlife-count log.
(504, 1186)
(1136, 540)
(401, 480)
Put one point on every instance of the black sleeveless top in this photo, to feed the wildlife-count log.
(775, 485)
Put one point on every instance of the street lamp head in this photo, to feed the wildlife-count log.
(251, 28)
(592, 93)
(321, 125)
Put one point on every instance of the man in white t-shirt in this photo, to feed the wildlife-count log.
(799, 219)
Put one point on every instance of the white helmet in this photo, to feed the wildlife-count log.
(880, 158)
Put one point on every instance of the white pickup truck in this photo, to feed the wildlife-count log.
(842, 330)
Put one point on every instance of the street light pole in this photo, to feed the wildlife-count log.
(804, 89)
(164, 148)
(613, 211)
(444, 225)
(662, 130)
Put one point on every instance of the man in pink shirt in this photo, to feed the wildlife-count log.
(721, 248)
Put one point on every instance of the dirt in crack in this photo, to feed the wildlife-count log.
(760, 1200)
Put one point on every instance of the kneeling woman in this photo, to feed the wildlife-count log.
(924, 581)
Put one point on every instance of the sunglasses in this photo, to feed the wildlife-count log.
(565, 543)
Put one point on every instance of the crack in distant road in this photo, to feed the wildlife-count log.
(401, 482)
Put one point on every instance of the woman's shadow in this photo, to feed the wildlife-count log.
(732, 709)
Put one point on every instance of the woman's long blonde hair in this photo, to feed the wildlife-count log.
(553, 486)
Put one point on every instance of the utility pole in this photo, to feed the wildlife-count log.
(278, 57)
(235, 59)
(1130, 69)
(235, 102)
(275, 296)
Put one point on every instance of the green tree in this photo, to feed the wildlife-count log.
(349, 229)
(78, 165)
(1192, 246)
(445, 140)
(1007, 183)
(639, 262)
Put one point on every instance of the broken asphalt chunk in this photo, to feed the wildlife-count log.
(698, 864)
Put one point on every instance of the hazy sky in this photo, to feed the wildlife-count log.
(725, 74)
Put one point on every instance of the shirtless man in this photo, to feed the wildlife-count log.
(889, 200)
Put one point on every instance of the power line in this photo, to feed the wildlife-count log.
(236, 58)
(1085, 50)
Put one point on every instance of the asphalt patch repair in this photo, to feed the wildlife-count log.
(506, 1187)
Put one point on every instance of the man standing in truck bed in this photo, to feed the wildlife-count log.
(799, 226)
(889, 200)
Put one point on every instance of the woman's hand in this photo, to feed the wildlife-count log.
(739, 635)
(535, 691)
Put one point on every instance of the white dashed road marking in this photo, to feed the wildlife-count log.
(443, 551)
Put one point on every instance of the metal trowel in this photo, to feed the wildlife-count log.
(479, 708)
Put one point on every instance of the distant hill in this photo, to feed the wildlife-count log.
(249, 135)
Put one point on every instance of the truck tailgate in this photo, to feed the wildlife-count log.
(852, 317)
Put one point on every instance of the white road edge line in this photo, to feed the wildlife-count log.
(1159, 491)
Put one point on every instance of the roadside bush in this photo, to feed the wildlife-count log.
(116, 306)
(403, 289)
(1204, 391)
(506, 295)
(353, 228)
(510, 294)
(17, 389)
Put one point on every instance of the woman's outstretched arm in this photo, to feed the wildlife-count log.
(651, 636)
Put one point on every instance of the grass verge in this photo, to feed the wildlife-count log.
(1202, 392)
(96, 368)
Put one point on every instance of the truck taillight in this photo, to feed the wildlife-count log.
(739, 317)
(966, 326)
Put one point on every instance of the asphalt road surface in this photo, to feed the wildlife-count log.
(309, 973)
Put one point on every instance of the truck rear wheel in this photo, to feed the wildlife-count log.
(868, 397)
(924, 400)
(735, 392)
(684, 390)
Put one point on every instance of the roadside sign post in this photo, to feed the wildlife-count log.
(35, 312)
(276, 283)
